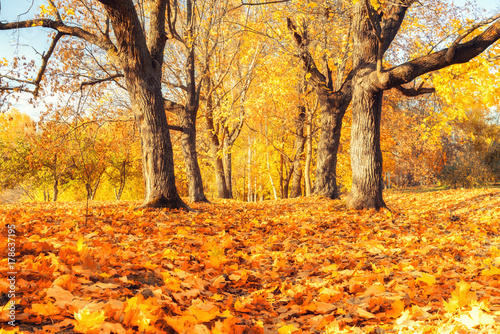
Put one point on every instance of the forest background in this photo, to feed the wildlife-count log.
(258, 120)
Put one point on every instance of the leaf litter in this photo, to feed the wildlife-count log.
(307, 265)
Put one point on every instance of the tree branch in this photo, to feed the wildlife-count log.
(451, 51)
(175, 128)
(45, 61)
(412, 92)
(60, 27)
(173, 107)
(58, 15)
(307, 59)
(98, 81)
(463, 53)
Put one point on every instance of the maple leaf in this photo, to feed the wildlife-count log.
(476, 317)
(45, 309)
(288, 329)
(460, 297)
(87, 321)
(397, 308)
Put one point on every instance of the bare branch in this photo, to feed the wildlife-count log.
(15, 89)
(175, 128)
(99, 41)
(173, 107)
(411, 92)
(263, 3)
(8, 77)
(45, 61)
(58, 15)
(98, 81)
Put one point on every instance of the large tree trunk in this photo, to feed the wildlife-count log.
(157, 154)
(328, 145)
(141, 64)
(366, 156)
(333, 105)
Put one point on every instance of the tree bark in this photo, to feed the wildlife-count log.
(366, 155)
(300, 142)
(188, 143)
(141, 59)
(333, 105)
(328, 145)
(228, 164)
(215, 145)
(307, 164)
(373, 33)
(187, 119)
(142, 70)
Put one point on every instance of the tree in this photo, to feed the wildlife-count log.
(334, 97)
(374, 30)
(139, 52)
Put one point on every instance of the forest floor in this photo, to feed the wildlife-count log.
(307, 265)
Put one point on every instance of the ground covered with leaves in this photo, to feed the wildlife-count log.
(307, 265)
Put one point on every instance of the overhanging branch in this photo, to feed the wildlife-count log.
(451, 51)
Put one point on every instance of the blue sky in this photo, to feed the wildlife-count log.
(26, 41)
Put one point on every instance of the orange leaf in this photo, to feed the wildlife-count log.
(398, 306)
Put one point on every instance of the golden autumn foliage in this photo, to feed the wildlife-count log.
(308, 265)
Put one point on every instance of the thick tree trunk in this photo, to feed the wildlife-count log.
(366, 156)
(333, 105)
(328, 145)
(187, 120)
(157, 154)
(142, 68)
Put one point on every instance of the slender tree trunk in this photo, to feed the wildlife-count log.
(187, 120)
(123, 178)
(220, 176)
(215, 145)
(228, 171)
(56, 179)
(249, 167)
(300, 141)
(56, 189)
(307, 164)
